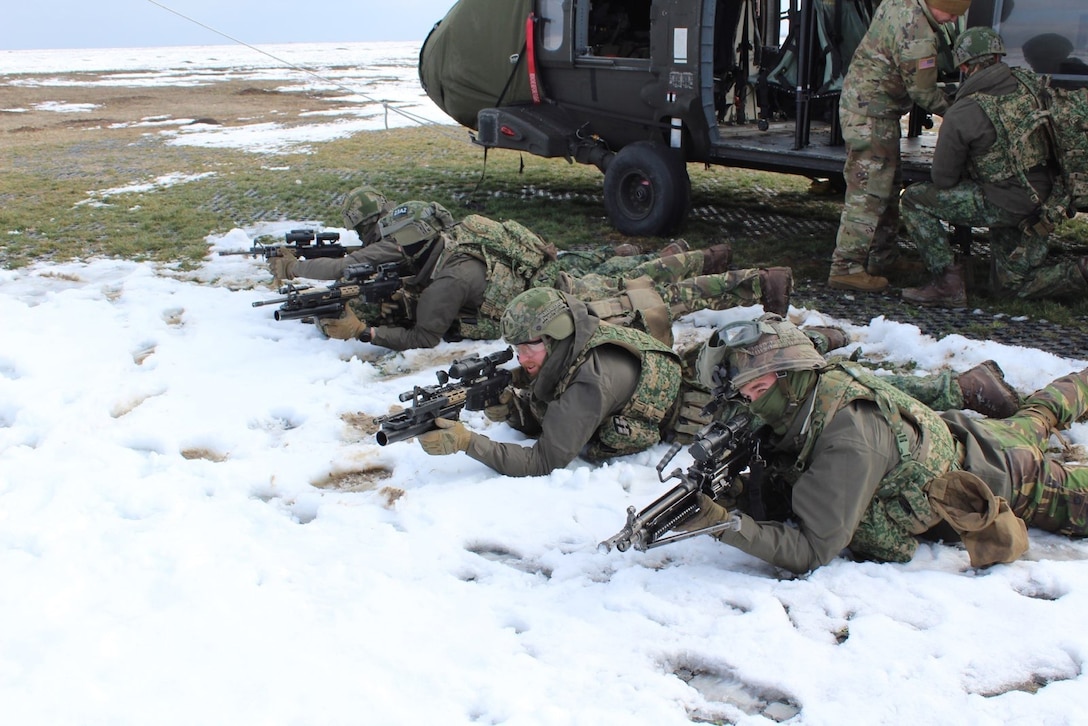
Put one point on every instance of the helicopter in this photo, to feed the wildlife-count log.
(642, 88)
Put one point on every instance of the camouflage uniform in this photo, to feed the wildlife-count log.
(895, 66)
(892, 449)
(603, 391)
(939, 391)
(674, 291)
(976, 182)
(1012, 456)
(482, 264)
(604, 261)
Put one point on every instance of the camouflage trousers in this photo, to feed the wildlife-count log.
(682, 294)
(600, 267)
(870, 213)
(940, 391)
(1047, 493)
(603, 261)
(1018, 261)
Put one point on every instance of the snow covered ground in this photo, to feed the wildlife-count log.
(196, 526)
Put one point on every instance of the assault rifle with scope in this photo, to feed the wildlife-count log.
(479, 381)
(302, 302)
(306, 244)
(722, 450)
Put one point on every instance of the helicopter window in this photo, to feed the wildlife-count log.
(618, 29)
(553, 21)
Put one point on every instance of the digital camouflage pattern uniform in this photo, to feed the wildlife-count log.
(482, 264)
(890, 448)
(1013, 456)
(603, 391)
(980, 180)
(895, 65)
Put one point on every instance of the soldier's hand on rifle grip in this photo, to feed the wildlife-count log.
(283, 265)
(500, 412)
(710, 513)
(449, 438)
(346, 327)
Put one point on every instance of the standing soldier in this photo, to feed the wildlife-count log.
(990, 170)
(894, 67)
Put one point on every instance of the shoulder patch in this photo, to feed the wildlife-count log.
(927, 63)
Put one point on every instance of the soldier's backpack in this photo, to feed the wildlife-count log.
(1069, 128)
(1063, 115)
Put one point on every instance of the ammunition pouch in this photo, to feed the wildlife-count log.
(688, 417)
(636, 305)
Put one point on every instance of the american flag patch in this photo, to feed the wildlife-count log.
(930, 62)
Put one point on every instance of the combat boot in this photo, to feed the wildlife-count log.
(776, 284)
(946, 291)
(985, 390)
(827, 338)
(676, 247)
(716, 259)
(858, 282)
(626, 250)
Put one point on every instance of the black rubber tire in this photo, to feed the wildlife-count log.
(647, 191)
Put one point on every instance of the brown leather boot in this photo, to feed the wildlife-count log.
(858, 282)
(777, 284)
(674, 248)
(985, 390)
(947, 291)
(826, 338)
(716, 259)
(626, 250)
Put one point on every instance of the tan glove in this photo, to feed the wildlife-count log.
(346, 327)
(282, 265)
(449, 438)
(500, 411)
(710, 513)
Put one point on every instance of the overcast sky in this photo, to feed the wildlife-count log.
(140, 23)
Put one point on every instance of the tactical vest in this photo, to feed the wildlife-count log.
(1021, 141)
(629, 303)
(515, 258)
(900, 509)
(641, 423)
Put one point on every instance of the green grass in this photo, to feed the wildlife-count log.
(45, 215)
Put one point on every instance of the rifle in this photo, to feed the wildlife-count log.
(305, 243)
(722, 450)
(479, 383)
(296, 303)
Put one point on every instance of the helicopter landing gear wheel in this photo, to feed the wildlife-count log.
(647, 190)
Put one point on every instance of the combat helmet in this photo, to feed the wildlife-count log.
(535, 313)
(413, 225)
(362, 207)
(975, 43)
(743, 351)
